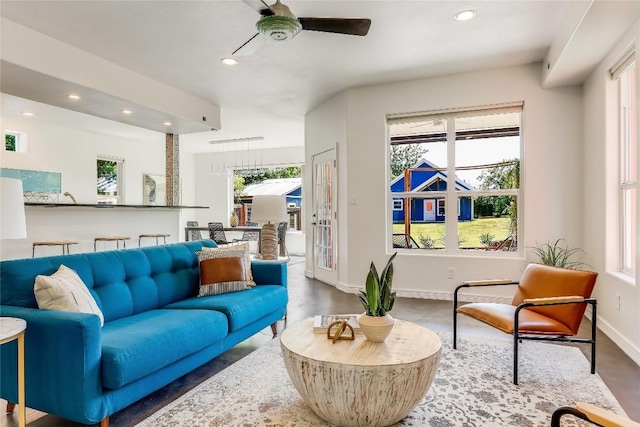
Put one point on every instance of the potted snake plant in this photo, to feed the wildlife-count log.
(377, 299)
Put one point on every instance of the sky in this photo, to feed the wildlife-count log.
(475, 152)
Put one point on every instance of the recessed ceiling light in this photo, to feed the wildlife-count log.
(465, 15)
(73, 96)
(229, 61)
(126, 111)
(167, 123)
(26, 113)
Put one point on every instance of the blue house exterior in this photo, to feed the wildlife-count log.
(429, 209)
(294, 198)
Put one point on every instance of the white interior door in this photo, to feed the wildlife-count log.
(324, 217)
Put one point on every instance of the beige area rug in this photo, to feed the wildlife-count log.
(472, 388)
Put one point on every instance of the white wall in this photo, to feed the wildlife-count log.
(73, 153)
(552, 171)
(599, 209)
(326, 129)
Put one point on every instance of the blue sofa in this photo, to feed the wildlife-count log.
(156, 329)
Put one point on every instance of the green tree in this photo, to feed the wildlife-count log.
(251, 177)
(108, 170)
(10, 142)
(506, 175)
(404, 156)
(238, 186)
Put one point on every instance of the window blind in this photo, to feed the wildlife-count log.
(453, 113)
(627, 60)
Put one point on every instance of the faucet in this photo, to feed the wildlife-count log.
(75, 202)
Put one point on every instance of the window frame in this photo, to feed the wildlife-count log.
(626, 80)
(399, 206)
(451, 245)
(118, 198)
(21, 141)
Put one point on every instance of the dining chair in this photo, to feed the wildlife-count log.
(548, 305)
(250, 235)
(217, 234)
(194, 234)
(282, 236)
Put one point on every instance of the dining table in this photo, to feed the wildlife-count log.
(240, 228)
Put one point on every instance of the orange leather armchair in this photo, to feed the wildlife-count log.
(593, 414)
(548, 305)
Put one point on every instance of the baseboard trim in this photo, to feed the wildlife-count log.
(435, 295)
(629, 349)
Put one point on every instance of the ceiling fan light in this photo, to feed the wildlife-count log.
(278, 28)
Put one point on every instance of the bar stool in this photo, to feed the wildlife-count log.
(157, 236)
(116, 239)
(64, 243)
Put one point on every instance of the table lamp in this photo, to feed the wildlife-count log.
(13, 224)
(269, 209)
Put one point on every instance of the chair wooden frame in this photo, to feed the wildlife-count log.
(537, 302)
(592, 414)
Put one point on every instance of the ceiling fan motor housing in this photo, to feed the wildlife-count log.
(278, 28)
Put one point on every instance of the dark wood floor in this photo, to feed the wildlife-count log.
(309, 297)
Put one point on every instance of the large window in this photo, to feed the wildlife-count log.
(110, 179)
(625, 74)
(458, 174)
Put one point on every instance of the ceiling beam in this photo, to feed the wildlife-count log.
(37, 67)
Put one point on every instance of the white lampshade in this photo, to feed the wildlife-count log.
(12, 217)
(269, 208)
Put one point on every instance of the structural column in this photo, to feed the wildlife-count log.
(172, 160)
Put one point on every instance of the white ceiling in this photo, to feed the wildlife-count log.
(180, 43)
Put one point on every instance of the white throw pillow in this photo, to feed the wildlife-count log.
(64, 290)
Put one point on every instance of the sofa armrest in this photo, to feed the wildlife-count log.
(269, 272)
(62, 357)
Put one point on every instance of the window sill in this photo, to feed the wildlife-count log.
(623, 277)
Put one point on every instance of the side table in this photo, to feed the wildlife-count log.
(12, 329)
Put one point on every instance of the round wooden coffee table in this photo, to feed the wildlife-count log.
(359, 383)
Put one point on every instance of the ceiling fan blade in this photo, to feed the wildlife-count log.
(250, 46)
(260, 6)
(352, 26)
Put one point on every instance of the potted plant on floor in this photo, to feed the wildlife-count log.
(377, 300)
(559, 254)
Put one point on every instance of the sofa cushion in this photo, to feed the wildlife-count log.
(65, 291)
(244, 246)
(241, 308)
(221, 276)
(221, 272)
(135, 346)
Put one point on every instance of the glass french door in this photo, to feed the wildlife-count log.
(324, 217)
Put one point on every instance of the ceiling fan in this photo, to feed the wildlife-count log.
(278, 23)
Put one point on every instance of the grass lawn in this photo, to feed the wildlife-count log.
(469, 232)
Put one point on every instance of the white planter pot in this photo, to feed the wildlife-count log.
(376, 328)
